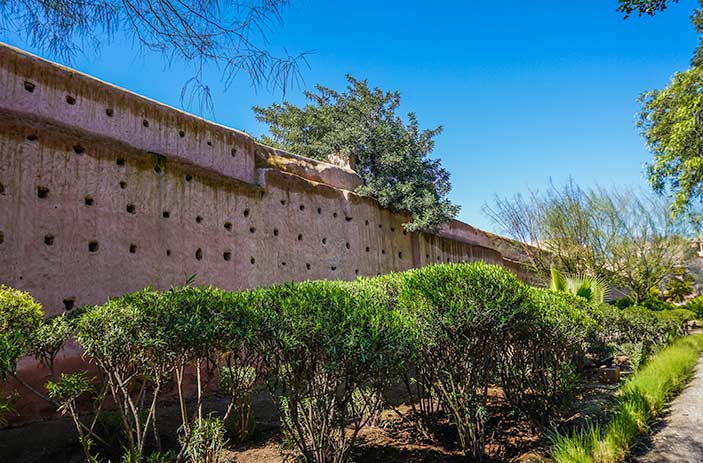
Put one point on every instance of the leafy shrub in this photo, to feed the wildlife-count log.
(67, 391)
(20, 316)
(695, 305)
(48, 340)
(461, 312)
(193, 333)
(330, 349)
(680, 317)
(125, 339)
(653, 301)
(545, 346)
(206, 441)
(635, 331)
(241, 365)
(631, 325)
(623, 302)
(656, 304)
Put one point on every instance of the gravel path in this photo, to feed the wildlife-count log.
(680, 440)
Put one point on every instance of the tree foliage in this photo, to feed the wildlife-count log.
(679, 285)
(622, 238)
(671, 123)
(643, 7)
(230, 35)
(392, 156)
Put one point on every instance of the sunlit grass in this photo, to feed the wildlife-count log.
(575, 447)
(641, 399)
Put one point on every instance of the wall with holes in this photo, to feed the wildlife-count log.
(103, 192)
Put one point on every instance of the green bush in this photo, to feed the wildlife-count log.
(652, 302)
(330, 349)
(462, 312)
(207, 325)
(636, 331)
(48, 340)
(695, 305)
(677, 318)
(144, 341)
(633, 324)
(544, 348)
(20, 317)
(656, 304)
(67, 391)
(126, 339)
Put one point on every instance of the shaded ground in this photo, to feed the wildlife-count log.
(395, 440)
(509, 438)
(679, 438)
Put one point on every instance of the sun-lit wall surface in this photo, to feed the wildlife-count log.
(103, 192)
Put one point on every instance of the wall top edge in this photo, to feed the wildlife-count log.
(22, 64)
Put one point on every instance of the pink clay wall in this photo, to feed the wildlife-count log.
(94, 205)
(103, 192)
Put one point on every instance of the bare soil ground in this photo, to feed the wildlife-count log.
(393, 439)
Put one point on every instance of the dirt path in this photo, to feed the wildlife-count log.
(680, 440)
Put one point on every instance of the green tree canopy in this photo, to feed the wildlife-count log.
(392, 156)
(643, 7)
(671, 122)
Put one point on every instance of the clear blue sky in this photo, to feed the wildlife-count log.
(526, 91)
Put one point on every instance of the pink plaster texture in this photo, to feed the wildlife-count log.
(103, 192)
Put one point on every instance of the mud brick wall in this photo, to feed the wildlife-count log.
(103, 192)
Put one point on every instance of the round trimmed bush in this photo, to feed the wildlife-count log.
(461, 313)
(20, 317)
(330, 349)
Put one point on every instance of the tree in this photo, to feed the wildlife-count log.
(391, 155)
(679, 285)
(212, 32)
(643, 7)
(671, 122)
(623, 238)
(672, 126)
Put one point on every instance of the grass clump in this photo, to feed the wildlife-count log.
(577, 446)
(642, 399)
